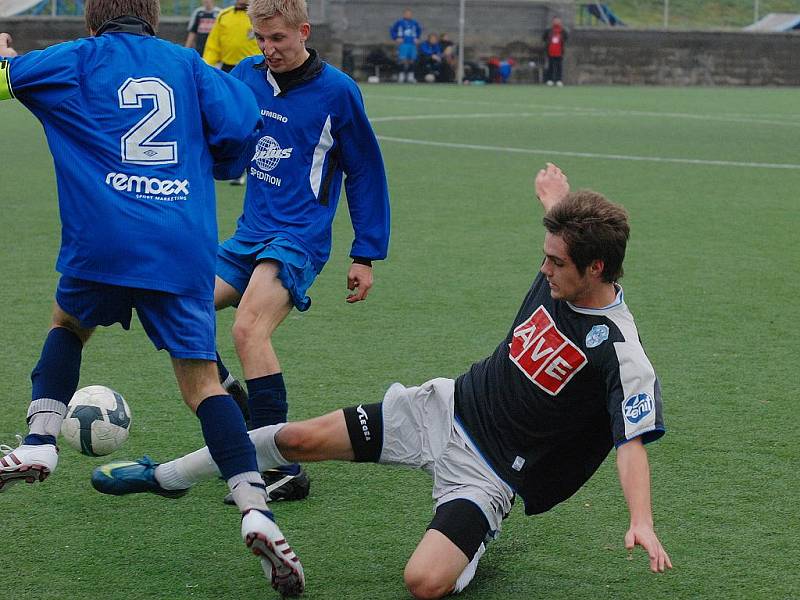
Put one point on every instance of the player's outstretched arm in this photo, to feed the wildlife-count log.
(6, 48)
(551, 186)
(634, 476)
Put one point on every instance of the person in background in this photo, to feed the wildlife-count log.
(555, 38)
(200, 24)
(429, 64)
(449, 59)
(406, 33)
(231, 39)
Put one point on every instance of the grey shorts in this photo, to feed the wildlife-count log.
(419, 430)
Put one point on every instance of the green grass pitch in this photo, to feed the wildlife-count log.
(710, 178)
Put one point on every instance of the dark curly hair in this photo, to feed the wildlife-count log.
(593, 229)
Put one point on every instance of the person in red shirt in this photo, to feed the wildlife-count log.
(554, 39)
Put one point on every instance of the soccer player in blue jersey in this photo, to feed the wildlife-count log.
(569, 381)
(406, 33)
(315, 132)
(136, 127)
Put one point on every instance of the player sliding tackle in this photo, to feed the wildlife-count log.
(136, 133)
(537, 417)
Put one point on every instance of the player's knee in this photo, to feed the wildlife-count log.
(245, 333)
(72, 325)
(297, 438)
(425, 584)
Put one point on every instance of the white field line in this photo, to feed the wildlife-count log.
(467, 116)
(655, 159)
(591, 112)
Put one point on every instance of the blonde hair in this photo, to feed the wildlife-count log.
(294, 12)
(97, 12)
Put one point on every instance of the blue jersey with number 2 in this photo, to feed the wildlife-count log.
(136, 126)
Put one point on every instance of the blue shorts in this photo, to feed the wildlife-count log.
(183, 325)
(236, 261)
(407, 52)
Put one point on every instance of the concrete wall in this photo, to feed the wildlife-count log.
(594, 56)
(32, 33)
(487, 22)
(621, 56)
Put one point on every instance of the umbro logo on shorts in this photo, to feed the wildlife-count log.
(545, 355)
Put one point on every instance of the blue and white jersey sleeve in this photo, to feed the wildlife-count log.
(365, 184)
(231, 120)
(41, 79)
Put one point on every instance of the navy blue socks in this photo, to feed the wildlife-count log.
(226, 436)
(57, 373)
(267, 400)
(268, 406)
(55, 379)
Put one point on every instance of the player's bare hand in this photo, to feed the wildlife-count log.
(647, 539)
(551, 185)
(359, 281)
(6, 49)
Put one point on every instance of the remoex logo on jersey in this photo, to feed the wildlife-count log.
(149, 186)
(545, 355)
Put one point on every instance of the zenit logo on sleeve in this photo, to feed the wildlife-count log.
(545, 355)
(637, 407)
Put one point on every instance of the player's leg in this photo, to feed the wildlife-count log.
(226, 295)
(230, 447)
(447, 557)
(390, 432)
(186, 327)
(471, 499)
(54, 380)
(264, 306)
(278, 283)
(322, 438)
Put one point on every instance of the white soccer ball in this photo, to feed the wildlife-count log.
(430, 77)
(98, 421)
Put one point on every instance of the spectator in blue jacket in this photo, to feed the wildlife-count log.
(430, 59)
(406, 33)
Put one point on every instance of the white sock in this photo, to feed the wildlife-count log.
(184, 472)
(267, 452)
(45, 416)
(229, 380)
(469, 571)
(248, 491)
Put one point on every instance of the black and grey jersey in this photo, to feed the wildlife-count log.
(566, 385)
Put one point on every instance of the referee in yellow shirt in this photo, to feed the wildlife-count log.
(231, 38)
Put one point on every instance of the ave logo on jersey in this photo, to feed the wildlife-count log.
(637, 407)
(545, 355)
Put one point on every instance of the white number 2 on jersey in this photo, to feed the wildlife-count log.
(137, 145)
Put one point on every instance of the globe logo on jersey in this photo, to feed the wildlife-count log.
(269, 153)
(637, 407)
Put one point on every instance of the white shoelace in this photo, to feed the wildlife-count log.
(6, 449)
